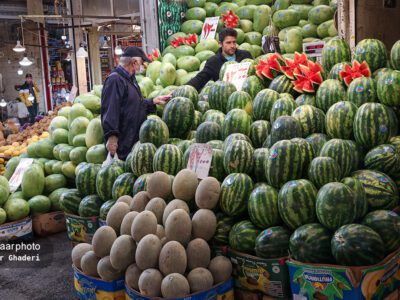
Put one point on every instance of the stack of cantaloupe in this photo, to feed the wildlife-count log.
(161, 248)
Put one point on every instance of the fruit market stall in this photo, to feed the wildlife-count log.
(299, 178)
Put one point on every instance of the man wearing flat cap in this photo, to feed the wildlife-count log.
(123, 108)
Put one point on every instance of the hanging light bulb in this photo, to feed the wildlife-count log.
(31, 98)
(19, 47)
(3, 103)
(25, 62)
(118, 50)
(105, 45)
(63, 37)
(20, 71)
(68, 58)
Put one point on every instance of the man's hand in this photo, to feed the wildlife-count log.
(112, 144)
(162, 99)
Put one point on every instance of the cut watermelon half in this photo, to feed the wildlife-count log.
(230, 19)
(190, 39)
(307, 78)
(291, 65)
(270, 67)
(349, 73)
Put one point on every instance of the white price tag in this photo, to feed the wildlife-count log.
(237, 74)
(200, 160)
(313, 49)
(209, 28)
(16, 178)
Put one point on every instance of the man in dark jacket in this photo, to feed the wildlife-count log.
(123, 109)
(227, 52)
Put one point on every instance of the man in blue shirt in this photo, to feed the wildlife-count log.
(123, 108)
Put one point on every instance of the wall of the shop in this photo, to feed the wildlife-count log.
(9, 71)
(375, 21)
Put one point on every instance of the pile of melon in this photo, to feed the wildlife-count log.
(157, 242)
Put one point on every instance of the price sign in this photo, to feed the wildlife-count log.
(209, 28)
(200, 160)
(237, 74)
(16, 178)
(72, 94)
(313, 49)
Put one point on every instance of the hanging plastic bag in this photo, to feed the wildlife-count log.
(110, 159)
(270, 42)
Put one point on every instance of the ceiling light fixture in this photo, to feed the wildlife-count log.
(19, 47)
(25, 62)
(118, 50)
(20, 71)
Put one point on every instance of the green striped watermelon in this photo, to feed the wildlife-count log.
(395, 56)
(260, 159)
(140, 184)
(142, 160)
(335, 51)
(128, 161)
(236, 121)
(340, 151)
(217, 169)
(85, 180)
(273, 242)
(90, 206)
(373, 52)
(336, 69)
(105, 208)
(208, 131)
(123, 185)
(282, 107)
(174, 141)
(262, 206)
(178, 115)
(305, 99)
(360, 196)
(387, 224)
(307, 153)
(252, 85)
(203, 106)
(388, 88)
(242, 237)
(187, 91)
(224, 226)
(216, 144)
(311, 243)
(384, 158)
(312, 119)
(381, 190)
(235, 137)
(323, 170)
(262, 104)
(286, 96)
(362, 90)
(357, 245)
(213, 115)
(223, 69)
(339, 120)
(358, 154)
(268, 142)
(285, 128)
(105, 180)
(169, 159)
(281, 84)
(235, 190)
(197, 119)
(155, 131)
(373, 125)
(317, 141)
(329, 92)
(184, 145)
(335, 205)
(296, 203)
(284, 163)
(219, 94)
(238, 157)
(240, 99)
(69, 201)
(259, 131)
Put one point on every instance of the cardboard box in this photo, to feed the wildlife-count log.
(90, 288)
(315, 281)
(20, 230)
(268, 276)
(247, 295)
(81, 229)
(50, 223)
(223, 290)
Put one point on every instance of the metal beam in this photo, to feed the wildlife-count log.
(73, 17)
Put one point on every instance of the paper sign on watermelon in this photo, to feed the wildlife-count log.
(200, 160)
(209, 28)
(16, 179)
(237, 74)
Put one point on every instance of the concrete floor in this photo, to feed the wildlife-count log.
(51, 278)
